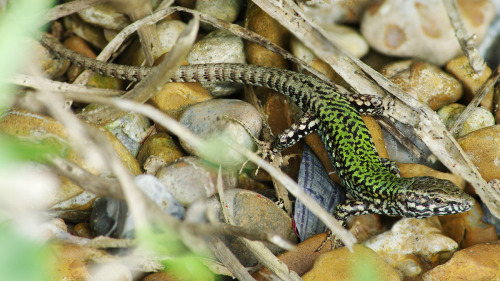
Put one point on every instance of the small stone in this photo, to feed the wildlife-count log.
(347, 38)
(365, 226)
(105, 16)
(261, 23)
(219, 46)
(467, 228)
(51, 65)
(409, 170)
(209, 120)
(483, 149)
(478, 119)
(69, 197)
(342, 264)
(226, 10)
(426, 82)
(252, 211)
(78, 45)
(82, 230)
(157, 151)
(173, 98)
(131, 130)
(111, 217)
(496, 104)
(105, 82)
(479, 262)
(167, 31)
(189, 179)
(327, 12)
(90, 33)
(301, 259)
(471, 81)
(411, 244)
(422, 30)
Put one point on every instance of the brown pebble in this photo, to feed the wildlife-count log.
(342, 264)
(156, 151)
(471, 81)
(301, 259)
(467, 228)
(83, 230)
(427, 82)
(483, 148)
(173, 98)
(479, 262)
(409, 170)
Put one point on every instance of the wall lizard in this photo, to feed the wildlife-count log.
(374, 183)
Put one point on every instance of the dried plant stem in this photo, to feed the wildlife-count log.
(55, 86)
(69, 8)
(481, 93)
(466, 42)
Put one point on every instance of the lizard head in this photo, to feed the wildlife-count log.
(429, 196)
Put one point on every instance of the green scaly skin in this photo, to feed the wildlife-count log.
(372, 184)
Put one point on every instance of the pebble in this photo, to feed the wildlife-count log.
(261, 23)
(167, 276)
(327, 12)
(422, 30)
(360, 264)
(488, 217)
(252, 211)
(409, 170)
(301, 259)
(479, 262)
(78, 45)
(426, 82)
(52, 66)
(110, 217)
(226, 10)
(158, 150)
(218, 46)
(173, 98)
(76, 208)
(209, 121)
(365, 226)
(479, 118)
(190, 179)
(105, 16)
(82, 230)
(346, 37)
(167, 31)
(90, 33)
(41, 128)
(483, 149)
(155, 190)
(131, 130)
(412, 244)
(471, 81)
(467, 228)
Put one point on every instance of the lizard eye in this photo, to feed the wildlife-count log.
(438, 200)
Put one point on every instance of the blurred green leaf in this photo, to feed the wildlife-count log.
(22, 259)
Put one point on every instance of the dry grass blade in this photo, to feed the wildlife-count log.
(466, 42)
(70, 8)
(157, 78)
(428, 126)
(55, 86)
(481, 93)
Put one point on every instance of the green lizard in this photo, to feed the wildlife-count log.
(373, 182)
